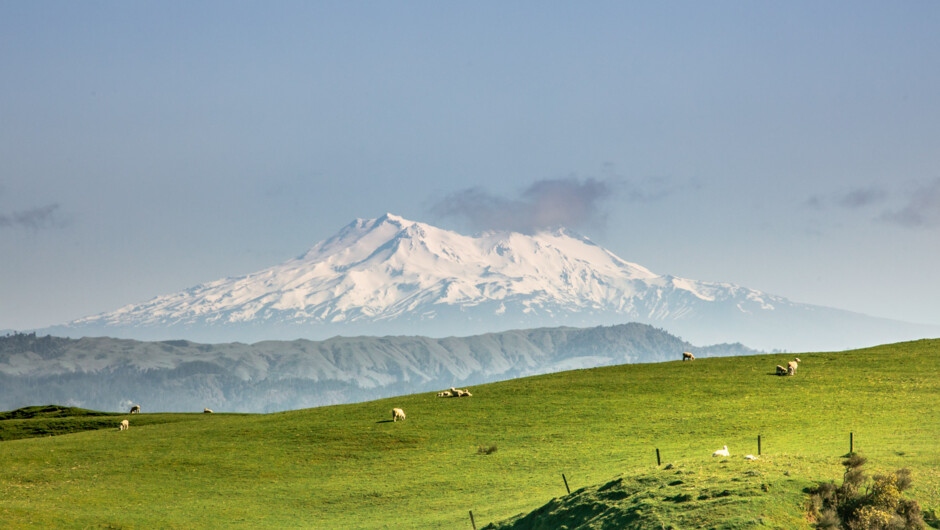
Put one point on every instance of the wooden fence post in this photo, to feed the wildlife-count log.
(471, 520)
(851, 442)
(758, 445)
(566, 483)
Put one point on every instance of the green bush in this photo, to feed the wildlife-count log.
(860, 505)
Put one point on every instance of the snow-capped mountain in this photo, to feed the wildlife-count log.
(394, 276)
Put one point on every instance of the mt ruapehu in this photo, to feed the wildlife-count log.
(394, 276)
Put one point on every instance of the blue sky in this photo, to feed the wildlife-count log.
(788, 147)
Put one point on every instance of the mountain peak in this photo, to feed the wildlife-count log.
(389, 219)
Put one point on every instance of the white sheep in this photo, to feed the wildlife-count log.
(781, 370)
(791, 366)
(722, 452)
(398, 414)
(207, 411)
(124, 425)
(445, 393)
(135, 409)
(750, 457)
(686, 356)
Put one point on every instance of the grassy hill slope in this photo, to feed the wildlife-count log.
(349, 466)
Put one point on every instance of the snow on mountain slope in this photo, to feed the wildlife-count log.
(389, 267)
(394, 276)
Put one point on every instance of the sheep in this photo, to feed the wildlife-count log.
(686, 356)
(781, 370)
(722, 452)
(207, 411)
(750, 457)
(791, 366)
(455, 392)
(135, 409)
(124, 425)
(398, 414)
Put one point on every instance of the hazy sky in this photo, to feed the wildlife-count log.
(791, 147)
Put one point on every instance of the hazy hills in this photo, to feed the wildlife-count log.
(111, 374)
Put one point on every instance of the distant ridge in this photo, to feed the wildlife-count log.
(392, 276)
(112, 374)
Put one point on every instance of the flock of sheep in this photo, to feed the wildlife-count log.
(124, 425)
(455, 392)
(399, 414)
(789, 370)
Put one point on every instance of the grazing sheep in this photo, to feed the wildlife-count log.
(781, 370)
(750, 457)
(686, 356)
(722, 452)
(207, 411)
(135, 409)
(124, 425)
(398, 414)
(791, 366)
(445, 393)
(465, 393)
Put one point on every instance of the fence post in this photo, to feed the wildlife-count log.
(566, 483)
(471, 520)
(658, 461)
(758, 445)
(851, 442)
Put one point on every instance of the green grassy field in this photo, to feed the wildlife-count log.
(349, 466)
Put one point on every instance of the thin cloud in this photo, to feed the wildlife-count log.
(545, 204)
(862, 197)
(654, 189)
(33, 219)
(922, 209)
(851, 200)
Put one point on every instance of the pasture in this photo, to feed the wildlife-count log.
(351, 466)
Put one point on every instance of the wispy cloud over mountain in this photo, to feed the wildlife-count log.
(548, 203)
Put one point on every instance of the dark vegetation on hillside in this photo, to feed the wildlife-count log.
(57, 420)
(51, 420)
(49, 411)
(862, 505)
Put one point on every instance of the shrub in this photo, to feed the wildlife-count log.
(877, 506)
(486, 449)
